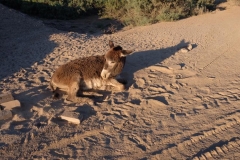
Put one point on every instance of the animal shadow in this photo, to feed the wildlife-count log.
(144, 59)
(86, 110)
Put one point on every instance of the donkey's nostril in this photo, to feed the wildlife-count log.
(105, 74)
(104, 77)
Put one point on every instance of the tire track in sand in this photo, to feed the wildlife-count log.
(219, 150)
(66, 141)
(202, 140)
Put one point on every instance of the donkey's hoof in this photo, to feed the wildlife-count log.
(122, 88)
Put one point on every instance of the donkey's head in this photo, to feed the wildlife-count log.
(114, 61)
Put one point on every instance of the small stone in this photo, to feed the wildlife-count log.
(189, 47)
(5, 114)
(72, 117)
(179, 76)
(184, 50)
(5, 97)
(11, 104)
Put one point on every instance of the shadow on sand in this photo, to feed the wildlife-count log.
(23, 43)
(144, 59)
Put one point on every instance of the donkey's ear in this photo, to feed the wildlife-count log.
(126, 52)
(111, 44)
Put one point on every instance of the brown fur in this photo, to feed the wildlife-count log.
(89, 73)
(115, 55)
(85, 67)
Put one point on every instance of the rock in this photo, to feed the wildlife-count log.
(179, 76)
(184, 50)
(5, 114)
(189, 47)
(5, 97)
(72, 117)
(11, 104)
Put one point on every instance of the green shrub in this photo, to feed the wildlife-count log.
(128, 12)
(59, 9)
(141, 12)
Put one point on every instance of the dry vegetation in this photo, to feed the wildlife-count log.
(135, 12)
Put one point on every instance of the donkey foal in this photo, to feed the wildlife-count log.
(89, 73)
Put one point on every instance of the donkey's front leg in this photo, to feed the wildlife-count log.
(116, 84)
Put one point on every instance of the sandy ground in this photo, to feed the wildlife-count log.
(177, 106)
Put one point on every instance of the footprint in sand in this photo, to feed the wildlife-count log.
(157, 89)
(152, 75)
(135, 101)
(162, 69)
(158, 101)
(198, 109)
(204, 90)
(138, 141)
(140, 83)
(174, 86)
(175, 116)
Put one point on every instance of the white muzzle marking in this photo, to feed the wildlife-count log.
(105, 74)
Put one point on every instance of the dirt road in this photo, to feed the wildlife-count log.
(178, 105)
